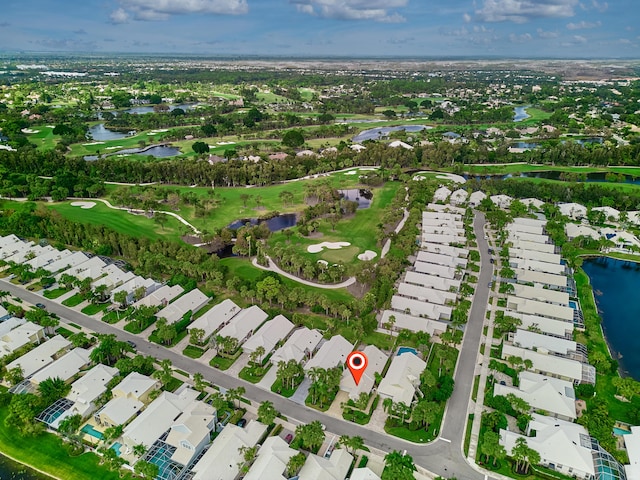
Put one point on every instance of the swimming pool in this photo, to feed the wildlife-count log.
(116, 447)
(402, 350)
(620, 431)
(89, 430)
(573, 304)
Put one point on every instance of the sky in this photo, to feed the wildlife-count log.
(367, 28)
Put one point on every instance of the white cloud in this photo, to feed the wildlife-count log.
(601, 7)
(376, 10)
(580, 39)
(119, 16)
(152, 10)
(583, 25)
(525, 37)
(466, 17)
(521, 11)
(544, 34)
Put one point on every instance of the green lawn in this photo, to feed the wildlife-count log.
(254, 374)
(222, 363)
(55, 293)
(193, 351)
(120, 221)
(46, 453)
(44, 139)
(94, 308)
(77, 299)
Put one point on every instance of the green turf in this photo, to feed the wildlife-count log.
(120, 220)
(76, 299)
(192, 351)
(46, 453)
(94, 308)
(44, 139)
(55, 293)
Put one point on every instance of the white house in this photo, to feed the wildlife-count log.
(547, 343)
(572, 230)
(271, 462)
(24, 333)
(335, 467)
(66, 262)
(533, 307)
(542, 279)
(402, 378)
(554, 396)
(47, 257)
(242, 325)
(575, 211)
(222, 457)
(376, 360)
(534, 203)
(420, 308)
(445, 250)
(437, 270)
(432, 281)
(436, 207)
(160, 297)
(535, 246)
(459, 197)
(129, 398)
(92, 268)
(269, 335)
(546, 267)
(148, 284)
(191, 431)
(550, 326)
(520, 227)
(215, 318)
(331, 353)
(41, 356)
(113, 277)
(301, 344)
(441, 194)
(501, 201)
(443, 238)
(191, 301)
(535, 255)
(426, 294)
(632, 444)
(553, 366)
(412, 323)
(64, 368)
(541, 294)
(401, 144)
(609, 212)
(529, 237)
(442, 259)
(476, 198)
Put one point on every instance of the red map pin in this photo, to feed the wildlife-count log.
(357, 363)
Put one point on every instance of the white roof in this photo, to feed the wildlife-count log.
(41, 356)
(541, 278)
(529, 221)
(66, 262)
(46, 255)
(402, 378)
(158, 417)
(529, 237)
(161, 296)
(22, 255)
(519, 227)
(65, 368)
(331, 353)
(190, 301)
(300, 342)
(634, 216)
(441, 216)
(533, 307)
(376, 360)
(543, 393)
(557, 442)
(12, 249)
(433, 269)
(535, 255)
(632, 443)
(10, 239)
(445, 249)
(442, 222)
(608, 211)
(335, 467)
(572, 210)
(572, 230)
(364, 473)
(436, 207)
(535, 246)
(113, 277)
(92, 268)
(399, 143)
(415, 324)
(120, 410)
(426, 294)
(131, 285)
(432, 281)
(541, 294)
(441, 259)
(219, 315)
(476, 197)
(549, 326)
(546, 364)
(447, 229)
(10, 323)
(502, 201)
(528, 264)
(540, 342)
(417, 307)
(272, 459)
(245, 322)
(532, 202)
(441, 194)
(191, 431)
(134, 385)
(269, 335)
(445, 239)
(21, 335)
(459, 196)
(222, 457)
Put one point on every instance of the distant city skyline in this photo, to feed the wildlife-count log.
(369, 28)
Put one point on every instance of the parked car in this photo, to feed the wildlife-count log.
(242, 422)
(288, 438)
(491, 260)
(131, 344)
(41, 305)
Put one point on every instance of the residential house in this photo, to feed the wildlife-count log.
(572, 230)
(426, 294)
(542, 279)
(113, 277)
(529, 237)
(610, 213)
(553, 366)
(549, 326)
(215, 318)
(562, 347)
(242, 325)
(441, 194)
(459, 197)
(535, 255)
(632, 444)
(527, 264)
(364, 473)
(402, 378)
(129, 398)
(189, 302)
(300, 345)
(92, 268)
(533, 307)
(23, 334)
(331, 353)
(47, 258)
(447, 208)
(432, 281)
(191, 432)
(271, 462)
(420, 308)
(132, 285)
(445, 250)
(160, 297)
(501, 201)
(404, 321)
(336, 467)
(444, 238)
(65, 368)
(575, 211)
(536, 246)
(376, 360)
(41, 356)
(476, 198)
(442, 259)
(437, 270)
(269, 335)
(66, 262)
(541, 294)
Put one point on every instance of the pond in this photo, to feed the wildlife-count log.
(100, 133)
(615, 285)
(11, 470)
(278, 222)
(362, 196)
(520, 113)
(379, 132)
(157, 151)
(591, 177)
(143, 109)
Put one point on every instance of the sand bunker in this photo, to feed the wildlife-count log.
(28, 130)
(452, 176)
(113, 148)
(92, 143)
(318, 247)
(323, 262)
(83, 205)
(368, 255)
(352, 172)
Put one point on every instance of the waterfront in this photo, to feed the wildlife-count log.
(10, 470)
(615, 285)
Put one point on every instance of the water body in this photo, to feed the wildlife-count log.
(592, 177)
(362, 196)
(615, 284)
(160, 151)
(579, 141)
(520, 113)
(379, 132)
(10, 470)
(141, 110)
(279, 222)
(100, 133)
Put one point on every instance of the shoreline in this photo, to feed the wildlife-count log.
(35, 469)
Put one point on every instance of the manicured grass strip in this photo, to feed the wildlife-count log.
(254, 374)
(55, 293)
(193, 352)
(94, 308)
(467, 435)
(47, 453)
(222, 363)
(77, 299)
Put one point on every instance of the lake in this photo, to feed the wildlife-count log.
(591, 177)
(615, 284)
(10, 470)
(278, 222)
(158, 151)
(378, 132)
(100, 133)
(141, 110)
(362, 196)
(520, 113)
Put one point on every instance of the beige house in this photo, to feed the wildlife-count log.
(129, 398)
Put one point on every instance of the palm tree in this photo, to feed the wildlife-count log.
(139, 450)
(398, 467)
(351, 443)
(267, 412)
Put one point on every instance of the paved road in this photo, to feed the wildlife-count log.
(443, 457)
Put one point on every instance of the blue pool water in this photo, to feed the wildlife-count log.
(89, 430)
(619, 431)
(402, 350)
(116, 447)
(573, 304)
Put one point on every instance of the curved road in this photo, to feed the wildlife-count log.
(443, 456)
